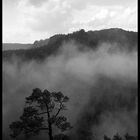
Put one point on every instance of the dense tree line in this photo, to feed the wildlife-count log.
(126, 40)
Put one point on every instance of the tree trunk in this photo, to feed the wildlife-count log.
(50, 132)
(49, 124)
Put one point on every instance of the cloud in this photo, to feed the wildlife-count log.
(105, 2)
(36, 3)
(100, 85)
(40, 18)
(54, 18)
(106, 17)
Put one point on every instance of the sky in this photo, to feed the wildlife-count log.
(25, 21)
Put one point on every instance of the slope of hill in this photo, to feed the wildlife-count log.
(126, 40)
(97, 70)
(40, 43)
(15, 46)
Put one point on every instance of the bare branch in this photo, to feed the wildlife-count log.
(60, 107)
(42, 113)
(44, 128)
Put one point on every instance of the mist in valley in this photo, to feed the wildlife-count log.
(101, 85)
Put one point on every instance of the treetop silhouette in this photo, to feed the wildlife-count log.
(42, 112)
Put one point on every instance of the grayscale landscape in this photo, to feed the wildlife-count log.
(78, 84)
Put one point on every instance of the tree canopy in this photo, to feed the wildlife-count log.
(42, 112)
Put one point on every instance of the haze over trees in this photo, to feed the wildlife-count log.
(125, 40)
(97, 70)
(118, 137)
(15, 46)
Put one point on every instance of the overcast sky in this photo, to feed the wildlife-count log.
(25, 21)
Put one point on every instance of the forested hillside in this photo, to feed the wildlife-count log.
(125, 40)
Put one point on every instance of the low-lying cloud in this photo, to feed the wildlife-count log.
(101, 84)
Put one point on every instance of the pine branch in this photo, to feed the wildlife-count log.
(58, 110)
(42, 113)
